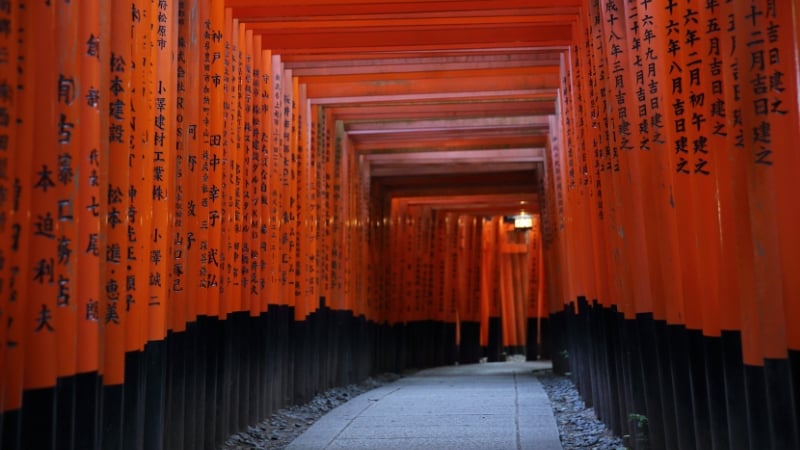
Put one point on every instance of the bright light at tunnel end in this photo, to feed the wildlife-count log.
(523, 222)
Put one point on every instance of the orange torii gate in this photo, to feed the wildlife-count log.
(211, 209)
(689, 156)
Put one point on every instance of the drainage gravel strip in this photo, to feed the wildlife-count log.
(288, 423)
(577, 425)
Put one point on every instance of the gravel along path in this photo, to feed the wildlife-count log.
(286, 424)
(577, 424)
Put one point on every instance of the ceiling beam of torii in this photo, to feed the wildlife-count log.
(438, 98)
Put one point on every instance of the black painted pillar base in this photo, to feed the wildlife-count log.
(39, 418)
(155, 394)
(665, 383)
(757, 408)
(65, 413)
(780, 399)
(299, 344)
(681, 386)
(450, 355)
(702, 422)
(12, 429)
(794, 368)
(470, 350)
(560, 354)
(494, 348)
(735, 401)
(646, 347)
(111, 417)
(175, 408)
(535, 351)
(87, 410)
(210, 346)
(714, 378)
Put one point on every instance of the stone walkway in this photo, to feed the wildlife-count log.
(481, 406)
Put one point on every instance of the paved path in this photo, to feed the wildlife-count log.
(480, 406)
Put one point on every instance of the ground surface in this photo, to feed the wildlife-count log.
(577, 425)
(493, 406)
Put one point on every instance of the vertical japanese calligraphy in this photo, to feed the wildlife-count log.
(162, 156)
(212, 158)
(66, 313)
(191, 218)
(16, 77)
(115, 200)
(677, 105)
(40, 181)
(86, 246)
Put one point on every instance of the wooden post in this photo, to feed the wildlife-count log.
(19, 73)
(40, 179)
(266, 179)
(8, 79)
(212, 164)
(196, 80)
(86, 245)
(115, 201)
(140, 182)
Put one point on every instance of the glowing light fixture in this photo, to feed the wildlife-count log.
(523, 222)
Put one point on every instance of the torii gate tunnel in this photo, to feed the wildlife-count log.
(211, 209)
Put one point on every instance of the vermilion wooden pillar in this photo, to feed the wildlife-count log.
(275, 178)
(505, 273)
(297, 202)
(231, 296)
(20, 226)
(623, 76)
(87, 167)
(788, 213)
(557, 198)
(598, 174)
(535, 310)
(764, 107)
(7, 131)
(265, 176)
(9, 225)
(41, 179)
(164, 105)
(194, 79)
(335, 214)
(197, 250)
(253, 122)
(485, 280)
(185, 105)
(212, 280)
(66, 314)
(226, 188)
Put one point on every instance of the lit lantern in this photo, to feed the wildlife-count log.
(523, 222)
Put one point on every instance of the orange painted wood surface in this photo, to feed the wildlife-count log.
(66, 314)
(21, 226)
(86, 251)
(40, 178)
(115, 203)
(15, 249)
(223, 157)
(193, 80)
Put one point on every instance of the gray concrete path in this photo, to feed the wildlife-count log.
(481, 406)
